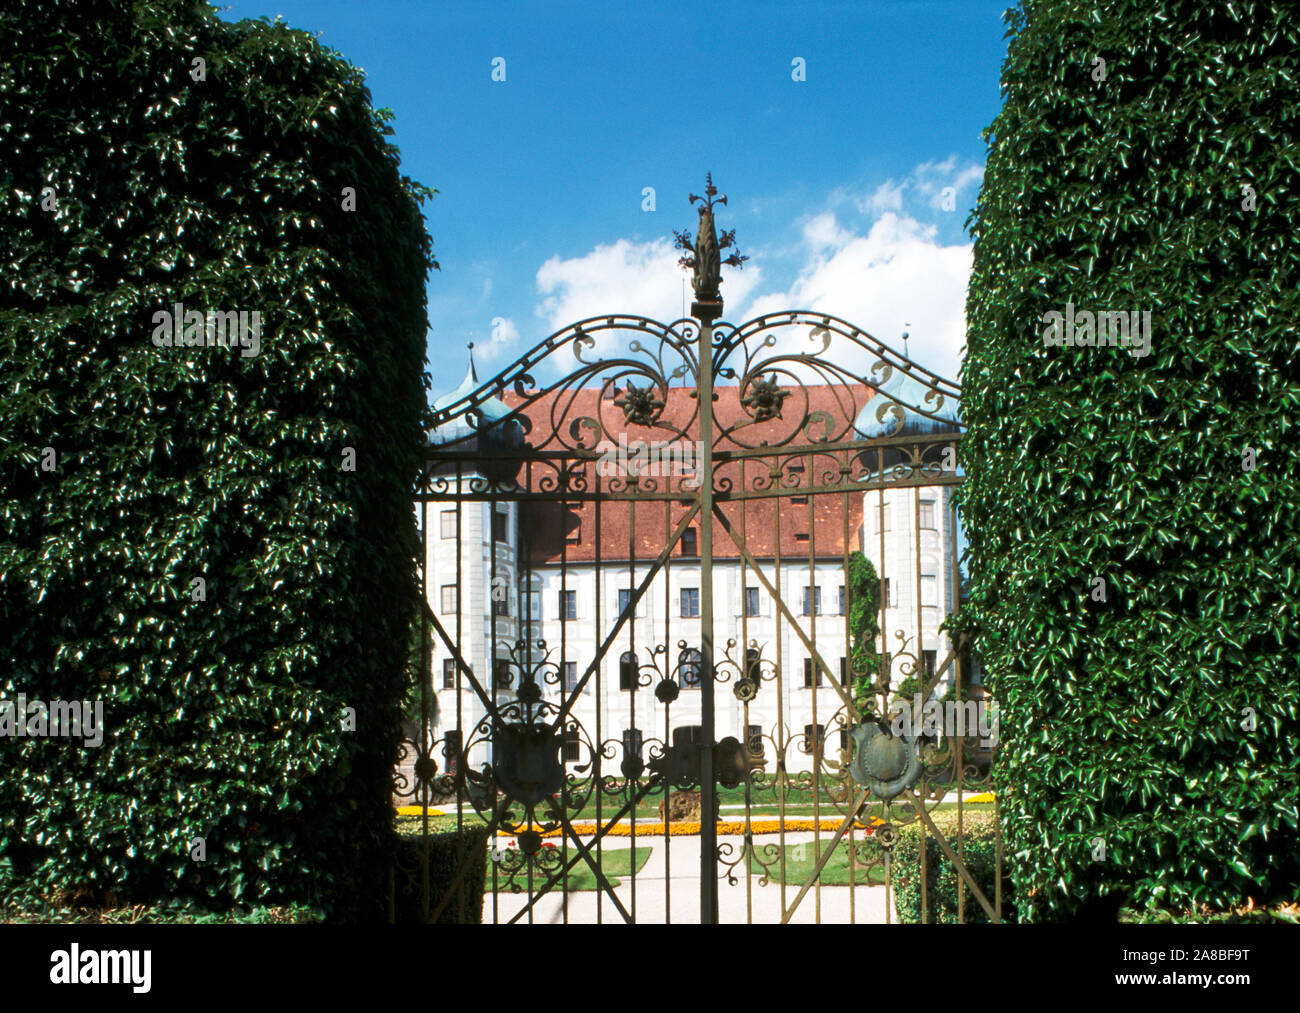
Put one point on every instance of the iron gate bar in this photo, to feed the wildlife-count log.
(817, 746)
(706, 313)
(739, 541)
(961, 739)
(619, 623)
(495, 716)
(920, 649)
(919, 805)
(468, 856)
(853, 718)
(601, 833)
(460, 663)
(704, 345)
(824, 857)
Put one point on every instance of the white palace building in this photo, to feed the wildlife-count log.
(562, 574)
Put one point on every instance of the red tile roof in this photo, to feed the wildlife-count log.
(638, 530)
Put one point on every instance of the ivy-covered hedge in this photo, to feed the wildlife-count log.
(978, 849)
(136, 178)
(446, 851)
(1147, 158)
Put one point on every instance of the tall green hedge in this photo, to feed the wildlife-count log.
(1161, 721)
(221, 187)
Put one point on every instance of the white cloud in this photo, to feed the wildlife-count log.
(823, 233)
(896, 274)
(888, 197)
(928, 182)
(626, 277)
(502, 338)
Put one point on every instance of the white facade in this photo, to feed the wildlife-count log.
(917, 525)
(664, 617)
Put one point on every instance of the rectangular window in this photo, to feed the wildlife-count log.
(754, 739)
(812, 601)
(929, 590)
(753, 669)
(891, 601)
(574, 537)
(570, 677)
(449, 524)
(632, 743)
(844, 671)
(502, 675)
(690, 543)
(451, 751)
(690, 603)
(624, 601)
(812, 738)
(928, 661)
(448, 598)
(799, 500)
(449, 673)
(812, 675)
(568, 605)
(627, 673)
(801, 536)
(844, 602)
(927, 514)
(499, 526)
(500, 602)
(751, 601)
(572, 747)
(690, 664)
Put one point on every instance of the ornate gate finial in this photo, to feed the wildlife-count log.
(705, 256)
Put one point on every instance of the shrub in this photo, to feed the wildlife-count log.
(219, 190)
(1162, 719)
(446, 851)
(979, 832)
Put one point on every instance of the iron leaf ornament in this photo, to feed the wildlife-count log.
(705, 254)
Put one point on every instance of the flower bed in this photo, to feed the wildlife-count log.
(689, 828)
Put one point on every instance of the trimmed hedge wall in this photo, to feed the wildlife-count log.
(979, 832)
(1148, 750)
(219, 186)
(445, 852)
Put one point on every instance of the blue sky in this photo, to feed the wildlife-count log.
(836, 182)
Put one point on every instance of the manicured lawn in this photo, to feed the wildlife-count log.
(801, 859)
(613, 863)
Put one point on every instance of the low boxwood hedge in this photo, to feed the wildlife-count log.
(979, 831)
(446, 851)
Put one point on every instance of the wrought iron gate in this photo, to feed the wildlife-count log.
(608, 565)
